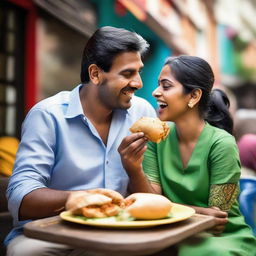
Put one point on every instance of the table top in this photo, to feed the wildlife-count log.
(141, 241)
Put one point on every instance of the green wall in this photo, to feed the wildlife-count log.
(226, 52)
(158, 49)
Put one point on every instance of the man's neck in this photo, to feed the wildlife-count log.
(92, 107)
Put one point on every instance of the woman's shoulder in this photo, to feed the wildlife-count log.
(218, 135)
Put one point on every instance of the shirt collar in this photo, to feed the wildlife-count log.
(74, 105)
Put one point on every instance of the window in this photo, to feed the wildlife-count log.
(11, 69)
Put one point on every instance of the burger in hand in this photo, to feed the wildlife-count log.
(154, 129)
(96, 203)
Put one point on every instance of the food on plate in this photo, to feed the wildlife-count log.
(95, 203)
(102, 203)
(154, 129)
(147, 206)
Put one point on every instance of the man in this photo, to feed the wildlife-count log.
(70, 141)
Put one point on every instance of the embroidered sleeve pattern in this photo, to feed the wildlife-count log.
(223, 195)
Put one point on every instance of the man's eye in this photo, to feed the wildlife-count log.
(127, 74)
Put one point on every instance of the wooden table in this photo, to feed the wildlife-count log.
(143, 241)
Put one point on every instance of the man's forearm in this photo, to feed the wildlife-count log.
(42, 203)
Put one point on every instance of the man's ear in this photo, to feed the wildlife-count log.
(94, 73)
(195, 96)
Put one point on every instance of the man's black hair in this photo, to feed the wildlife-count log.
(105, 44)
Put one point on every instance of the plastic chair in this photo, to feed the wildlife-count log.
(247, 200)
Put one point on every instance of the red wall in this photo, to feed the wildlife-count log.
(30, 83)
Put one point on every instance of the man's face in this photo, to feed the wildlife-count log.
(123, 79)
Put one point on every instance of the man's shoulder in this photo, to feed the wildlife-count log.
(53, 102)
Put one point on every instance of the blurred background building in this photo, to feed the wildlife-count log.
(41, 43)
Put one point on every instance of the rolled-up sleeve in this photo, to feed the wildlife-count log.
(34, 160)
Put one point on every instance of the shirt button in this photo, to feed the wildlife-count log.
(107, 162)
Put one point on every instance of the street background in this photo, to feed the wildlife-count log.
(41, 44)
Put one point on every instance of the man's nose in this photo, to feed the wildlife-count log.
(136, 82)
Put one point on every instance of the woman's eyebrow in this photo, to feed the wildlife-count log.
(165, 80)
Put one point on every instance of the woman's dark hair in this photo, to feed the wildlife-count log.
(105, 44)
(195, 73)
(218, 111)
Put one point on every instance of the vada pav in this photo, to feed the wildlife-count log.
(96, 203)
(154, 129)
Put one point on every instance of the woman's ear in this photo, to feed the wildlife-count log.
(195, 97)
(94, 74)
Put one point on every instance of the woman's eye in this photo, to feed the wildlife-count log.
(166, 86)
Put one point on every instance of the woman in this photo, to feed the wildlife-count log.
(198, 164)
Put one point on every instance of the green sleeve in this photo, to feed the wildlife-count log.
(150, 163)
(224, 163)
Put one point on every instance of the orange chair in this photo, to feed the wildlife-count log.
(8, 150)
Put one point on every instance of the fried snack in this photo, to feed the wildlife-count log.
(147, 206)
(101, 211)
(154, 129)
(96, 203)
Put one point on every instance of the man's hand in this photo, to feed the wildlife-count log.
(131, 151)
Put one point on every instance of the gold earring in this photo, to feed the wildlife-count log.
(190, 105)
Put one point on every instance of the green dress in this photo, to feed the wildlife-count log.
(215, 160)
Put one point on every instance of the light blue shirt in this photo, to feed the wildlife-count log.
(60, 149)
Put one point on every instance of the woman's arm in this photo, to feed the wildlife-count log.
(220, 217)
(224, 167)
(223, 195)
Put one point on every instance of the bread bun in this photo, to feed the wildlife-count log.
(148, 206)
(95, 203)
(77, 201)
(154, 129)
(116, 197)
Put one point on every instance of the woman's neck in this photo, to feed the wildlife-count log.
(189, 130)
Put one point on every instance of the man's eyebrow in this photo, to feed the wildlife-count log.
(128, 70)
(131, 70)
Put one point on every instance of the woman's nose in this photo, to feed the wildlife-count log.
(156, 93)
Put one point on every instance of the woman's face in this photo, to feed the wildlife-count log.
(172, 102)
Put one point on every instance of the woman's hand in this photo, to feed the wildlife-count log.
(221, 218)
(131, 151)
